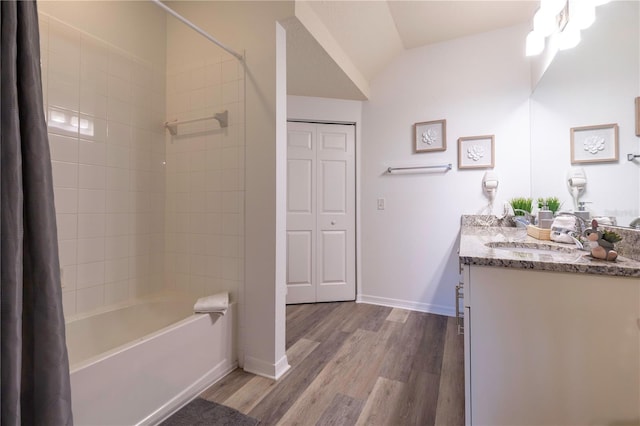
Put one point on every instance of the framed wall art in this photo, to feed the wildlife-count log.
(594, 144)
(476, 152)
(430, 136)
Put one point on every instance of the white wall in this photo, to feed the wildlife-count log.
(104, 100)
(324, 109)
(480, 85)
(137, 27)
(205, 167)
(282, 364)
(250, 27)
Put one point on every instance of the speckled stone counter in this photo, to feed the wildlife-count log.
(474, 250)
(630, 244)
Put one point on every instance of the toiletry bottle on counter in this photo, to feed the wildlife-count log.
(582, 211)
(545, 218)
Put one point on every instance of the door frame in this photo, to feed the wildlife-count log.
(357, 128)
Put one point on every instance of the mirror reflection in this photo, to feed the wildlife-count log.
(593, 84)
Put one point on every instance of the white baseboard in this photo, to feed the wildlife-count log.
(282, 366)
(183, 398)
(407, 304)
(266, 369)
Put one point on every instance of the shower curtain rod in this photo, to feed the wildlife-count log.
(196, 28)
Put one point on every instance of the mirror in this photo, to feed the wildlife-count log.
(594, 83)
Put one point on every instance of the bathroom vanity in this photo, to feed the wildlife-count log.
(551, 335)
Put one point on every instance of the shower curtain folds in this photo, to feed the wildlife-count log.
(34, 369)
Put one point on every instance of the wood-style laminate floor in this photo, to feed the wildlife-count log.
(357, 364)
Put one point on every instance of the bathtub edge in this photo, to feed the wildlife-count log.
(213, 376)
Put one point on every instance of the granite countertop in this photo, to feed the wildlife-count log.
(560, 258)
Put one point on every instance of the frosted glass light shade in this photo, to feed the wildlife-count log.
(534, 44)
(582, 13)
(544, 23)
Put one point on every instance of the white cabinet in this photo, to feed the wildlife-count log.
(551, 348)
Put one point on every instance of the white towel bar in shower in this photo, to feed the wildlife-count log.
(222, 117)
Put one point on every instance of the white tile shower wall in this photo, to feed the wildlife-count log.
(205, 177)
(105, 110)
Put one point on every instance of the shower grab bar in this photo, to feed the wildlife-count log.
(222, 117)
(197, 29)
(447, 166)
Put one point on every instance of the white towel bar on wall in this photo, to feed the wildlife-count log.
(447, 167)
(222, 117)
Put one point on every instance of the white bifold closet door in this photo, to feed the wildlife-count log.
(321, 251)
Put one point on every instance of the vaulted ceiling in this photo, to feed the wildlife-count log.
(335, 48)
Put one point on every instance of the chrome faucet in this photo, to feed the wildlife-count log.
(527, 215)
(579, 244)
(582, 226)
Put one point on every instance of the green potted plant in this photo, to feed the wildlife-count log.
(552, 203)
(521, 205)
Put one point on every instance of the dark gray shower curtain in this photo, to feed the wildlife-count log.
(34, 368)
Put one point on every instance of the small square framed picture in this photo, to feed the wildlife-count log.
(430, 136)
(594, 144)
(476, 152)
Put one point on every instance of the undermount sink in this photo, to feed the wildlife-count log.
(534, 248)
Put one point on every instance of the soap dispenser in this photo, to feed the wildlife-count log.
(545, 217)
(582, 211)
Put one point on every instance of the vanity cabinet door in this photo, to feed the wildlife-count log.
(464, 272)
(552, 348)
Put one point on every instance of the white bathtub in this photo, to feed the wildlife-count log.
(139, 363)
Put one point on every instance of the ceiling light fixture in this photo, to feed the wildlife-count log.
(561, 19)
(534, 44)
(583, 13)
(544, 23)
